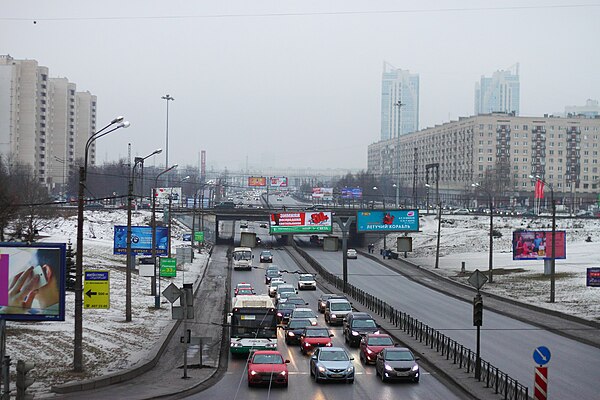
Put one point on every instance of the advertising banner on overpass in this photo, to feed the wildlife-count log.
(537, 245)
(163, 194)
(351, 193)
(257, 181)
(279, 181)
(387, 221)
(300, 222)
(325, 194)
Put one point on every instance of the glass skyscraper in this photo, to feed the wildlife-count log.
(500, 93)
(399, 87)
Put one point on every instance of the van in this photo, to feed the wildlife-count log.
(357, 325)
(336, 310)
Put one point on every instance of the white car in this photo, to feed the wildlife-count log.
(351, 253)
(273, 286)
(307, 281)
(305, 313)
(284, 288)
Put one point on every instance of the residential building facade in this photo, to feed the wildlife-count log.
(499, 93)
(399, 102)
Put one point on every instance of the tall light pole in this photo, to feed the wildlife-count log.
(115, 124)
(398, 104)
(170, 201)
(490, 198)
(154, 291)
(129, 266)
(553, 253)
(167, 98)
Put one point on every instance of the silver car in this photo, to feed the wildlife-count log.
(333, 364)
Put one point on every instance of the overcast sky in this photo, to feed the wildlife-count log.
(296, 83)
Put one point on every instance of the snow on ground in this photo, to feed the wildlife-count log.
(466, 238)
(109, 343)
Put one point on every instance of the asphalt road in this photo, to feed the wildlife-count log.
(367, 385)
(505, 342)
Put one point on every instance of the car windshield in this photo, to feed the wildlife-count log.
(276, 283)
(265, 253)
(380, 341)
(340, 307)
(303, 314)
(316, 333)
(364, 323)
(294, 301)
(245, 291)
(267, 359)
(307, 278)
(242, 255)
(298, 323)
(285, 295)
(272, 273)
(337, 355)
(287, 289)
(401, 355)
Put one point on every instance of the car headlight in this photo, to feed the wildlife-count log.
(306, 344)
(333, 316)
(329, 344)
(354, 333)
(253, 373)
(291, 334)
(271, 345)
(415, 368)
(321, 368)
(369, 351)
(279, 314)
(376, 332)
(388, 367)
(236, 345)
(350, 368)
(283, 373)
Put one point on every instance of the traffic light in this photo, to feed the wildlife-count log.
(477, 310)
(23, 382)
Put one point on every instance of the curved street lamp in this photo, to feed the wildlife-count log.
(78, 335)
(490, 262)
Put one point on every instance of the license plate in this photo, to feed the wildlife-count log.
(336, 375)
(401, 373)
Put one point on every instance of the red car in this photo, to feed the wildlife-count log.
(243, 288)
(314, 336)
(267, 367)
(371, 344)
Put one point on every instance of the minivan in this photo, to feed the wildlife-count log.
(336, 310)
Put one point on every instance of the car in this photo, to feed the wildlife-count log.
(245, 287)
(266, 256)
(296, 300)
(275, 282)
(225, 204)
(313, 337)
(461, 211)
(351, 253)
(294, 329)
(279, 199)
(356, 325)
(397, 363)
(304, 312)
(263, 225)
(307, 281)
(286, 287)
(336, 310)
(331, 363)
(371, 344)
(245, 292)
(243, 224)
(267, 367)
(322, 301)
(283, 296)
(270, 274)
(284, 311)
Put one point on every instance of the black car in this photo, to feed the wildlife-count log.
(294, 329)
(270, 274)
(266, 256)
(397, 363)
(357, 325)
(295, 300)
(284, 310)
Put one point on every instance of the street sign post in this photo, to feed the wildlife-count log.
(478, 279)
(168, 267)
(96, 290)
(541, 355)
(540, 386)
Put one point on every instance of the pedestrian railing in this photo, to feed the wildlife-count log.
(463, 357)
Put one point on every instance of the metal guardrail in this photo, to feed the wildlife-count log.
(465, 358)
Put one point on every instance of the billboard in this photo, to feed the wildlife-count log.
(279, 181)
(325, 194)
(593, 277)
(387, 221)
(141, 240)
(257, 181)
(162, 196)
(351, 193)
(537, 245)
(300, 222)
(32, 281)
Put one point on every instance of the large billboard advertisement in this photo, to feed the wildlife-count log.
(141, 240)
(537, 245)
(279, 181)
(301, 222)
(387, 221)
(325, 194)
(32, 281)
(351, 193)
(163, 194)
(593, 277)
(257, 181)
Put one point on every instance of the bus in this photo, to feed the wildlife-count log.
(253, 324)
(242, 258)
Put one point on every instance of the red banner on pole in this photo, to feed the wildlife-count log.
(539, 189)
(540, 387)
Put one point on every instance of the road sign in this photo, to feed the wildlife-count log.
(172, 293)
(541, 355)
(168, 267)
(540, 386)
(96, 289)
(478, 279)
(199, 237)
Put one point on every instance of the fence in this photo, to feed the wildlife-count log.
(460, 355)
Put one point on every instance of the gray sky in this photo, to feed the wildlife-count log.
(296, 83)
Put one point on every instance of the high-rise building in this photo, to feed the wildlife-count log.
(43, 121)
(500, 93)
(399, 102)
(590, 110)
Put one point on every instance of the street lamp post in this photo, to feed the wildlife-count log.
(129, 266)
(553, 252)
(170, 201)
(116, 123)
(167, 98)
(154, 278)
(490, 261)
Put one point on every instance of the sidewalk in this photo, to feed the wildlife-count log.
(165, 378)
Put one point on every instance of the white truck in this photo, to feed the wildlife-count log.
(248, 239)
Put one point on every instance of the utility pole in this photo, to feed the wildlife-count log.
(415, 170)
(398, 104)
(345, 227)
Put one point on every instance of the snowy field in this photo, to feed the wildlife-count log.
(109, 343)
(466, 238)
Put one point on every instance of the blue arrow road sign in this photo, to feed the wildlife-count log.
(541, 355)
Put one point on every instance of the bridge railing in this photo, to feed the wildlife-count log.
(492, 377)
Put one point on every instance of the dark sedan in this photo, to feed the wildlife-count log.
(397, 363)
(284, 311)
(294, 329)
